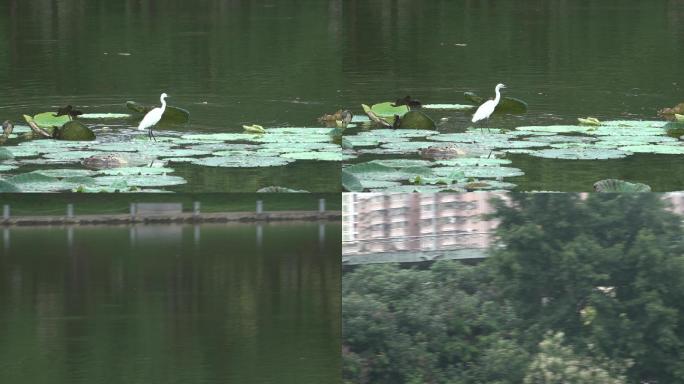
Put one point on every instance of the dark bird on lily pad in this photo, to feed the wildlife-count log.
(69, 111)
(397, 122)
(409, 102)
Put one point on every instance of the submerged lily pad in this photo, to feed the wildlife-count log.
(621, 186)
(242, 161)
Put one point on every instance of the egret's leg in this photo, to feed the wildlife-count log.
(152, 135)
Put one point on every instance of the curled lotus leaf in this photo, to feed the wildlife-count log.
(74, 130)
(416, 120)
(242, 161)
(387, 109)
(48, 120)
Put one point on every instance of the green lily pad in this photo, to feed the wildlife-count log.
(377, 184)
(141, 180)
(125, 171)
(487, 185)
(581, 153)
(320, 156)
(69, 156)
(635, 123)
(621, 186)
(6, 154)
(242, 161)
(387, 110)
(628, 131)
(350, 142)
(421, 189)
(655, 148)
(557, 128)
(36, 182)
(416, 120)
(48, 119)
(480, 172)
(402, 163)
(350, 182)
(473, 162)
(6, 187)
(66, 173)
(405, 147)
(221, 136)
(449, 107)
(7, 167)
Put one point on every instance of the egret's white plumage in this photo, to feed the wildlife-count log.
(485, 110)
(152, 117)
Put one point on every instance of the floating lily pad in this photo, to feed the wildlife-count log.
(557, 128)
(48, 119)
(473, 162)
(141, 180)
(221, 136)
(402, 163)
(655, 148)
(36, 182)
(421, 189)
(125, 171)
(387, 110)
(382, 134)
(350, 142)
(406, 147)
(621, 186)
(66, 173)
(104, 116)
(7, 167)
(480, 172)
(5, 154)
(635, 123)
(321, 156)
(376, 184)
(242, 161)
(449, 107)
(581, 153)
(69, 156)
(487, 185)
(360, 119)
(6, 187)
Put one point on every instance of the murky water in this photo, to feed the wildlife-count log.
(170, 304)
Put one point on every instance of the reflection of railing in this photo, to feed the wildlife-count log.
(427, 242)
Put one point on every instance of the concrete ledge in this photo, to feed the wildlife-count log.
(221, 217)
(415, 257)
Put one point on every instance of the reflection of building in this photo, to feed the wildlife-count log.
(377, 223)
(407, 222)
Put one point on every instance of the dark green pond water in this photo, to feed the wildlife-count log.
(170, 304)
(284, 63)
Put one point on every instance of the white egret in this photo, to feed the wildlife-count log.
(152, 117)
(485, 110)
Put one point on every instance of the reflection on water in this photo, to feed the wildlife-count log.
(170, 304)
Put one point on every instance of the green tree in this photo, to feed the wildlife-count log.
(607, 270)
(559, 364)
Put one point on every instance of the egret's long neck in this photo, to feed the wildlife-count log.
(163, 101)
(498, 95)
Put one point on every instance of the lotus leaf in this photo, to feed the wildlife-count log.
(140, 180)
(487, 185)
(66, 156)
(35, 182)
(104, 116)
(655, 148)
(220, 136)
(360, 119)
(581, 153)
(480, 172)
(449, 107)
(382, 133)
(416, 120)
(621, 186)
(375, 184)
(6, 187)
(242, 161)
(678, 117)
(557, 128)
(321, 156)
(279, 189)
(74, 130)
(387, 109)
(254, 128)
(350, 142)
(350, 182)
(422, 189)
(402, 163)
(48, 120)
(472, 162)
(605, 130)
(406, 147)
(125, 171)
(7, 167)
(66, 173)
(5, 154)
(635, 123)
(588, 121)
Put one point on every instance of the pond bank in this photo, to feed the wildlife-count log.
(220, 217)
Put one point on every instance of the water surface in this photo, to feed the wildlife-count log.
(170, 304)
